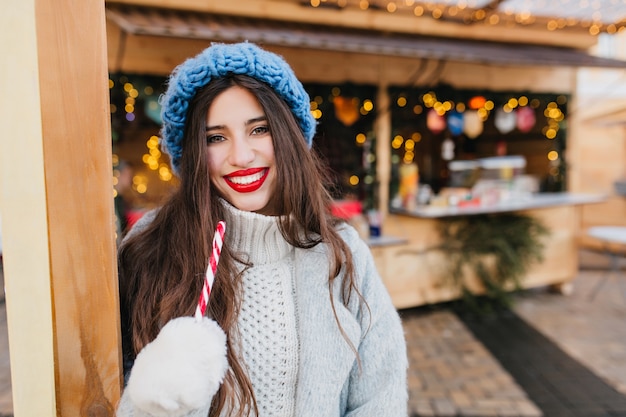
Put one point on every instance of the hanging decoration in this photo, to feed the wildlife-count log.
(435, 122)
(505, 121)
(447, 149)
(455, 123)
(346, 109)
(525, 119)
(472, 124)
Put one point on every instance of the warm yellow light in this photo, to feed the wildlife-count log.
(360, 138)
(317, 114)
(416, 136)
(512, 103)
(397, 142)
(391, 7)
(111, 83)
(418, 11)
(368, 105)
(551, 133)
(133, 93)
(141, 188)
(523, 101)
(128, 87)
(153, 142)
(364, 4)
(315, 3)
(417, 109)
(409, 145)
(354, 180)
(313, 105)
(553, 155)
(401, 102)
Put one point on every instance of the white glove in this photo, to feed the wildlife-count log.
(180, 370)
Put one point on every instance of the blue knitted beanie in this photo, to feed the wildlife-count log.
(217, 61)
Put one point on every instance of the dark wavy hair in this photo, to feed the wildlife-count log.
(160, 266)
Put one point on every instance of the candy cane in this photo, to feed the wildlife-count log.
(209, 277)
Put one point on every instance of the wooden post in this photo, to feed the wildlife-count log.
(57, 209)
(383, 147)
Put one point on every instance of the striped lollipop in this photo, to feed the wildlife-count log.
(209, 277)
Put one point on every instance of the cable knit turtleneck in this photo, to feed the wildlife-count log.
(267, 320)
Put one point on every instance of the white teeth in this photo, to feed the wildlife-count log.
(249, 179)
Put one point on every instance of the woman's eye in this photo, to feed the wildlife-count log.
(260, 130)
(214, 139)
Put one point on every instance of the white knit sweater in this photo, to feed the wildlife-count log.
(267, 320)
(328, 380)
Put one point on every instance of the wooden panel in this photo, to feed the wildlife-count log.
(415, 276)
(157, 55)
(78, 170)
(24, 218)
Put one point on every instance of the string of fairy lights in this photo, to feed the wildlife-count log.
(596, 16)
(440, 112)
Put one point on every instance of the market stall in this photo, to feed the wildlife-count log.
(393, 105)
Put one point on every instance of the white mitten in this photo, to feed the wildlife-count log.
(180, 370)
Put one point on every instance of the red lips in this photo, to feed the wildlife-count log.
(247, 180)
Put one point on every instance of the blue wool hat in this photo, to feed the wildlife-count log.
(217, 61)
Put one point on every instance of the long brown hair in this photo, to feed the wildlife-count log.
(161, 268)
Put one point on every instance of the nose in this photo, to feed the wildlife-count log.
(242, 152)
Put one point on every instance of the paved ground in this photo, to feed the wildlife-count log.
(511, 366)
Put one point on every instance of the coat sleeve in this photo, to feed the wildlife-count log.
(378, 387)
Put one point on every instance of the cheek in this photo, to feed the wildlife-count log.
(212, 163)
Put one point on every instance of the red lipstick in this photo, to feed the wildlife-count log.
(247, 180)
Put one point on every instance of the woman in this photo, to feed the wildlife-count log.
(299, 322)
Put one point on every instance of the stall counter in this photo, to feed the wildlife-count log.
(415, 275)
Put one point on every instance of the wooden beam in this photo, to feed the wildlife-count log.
(24, 219)
(378, 20)
(57, 210)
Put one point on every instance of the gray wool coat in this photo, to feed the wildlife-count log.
(331, 383)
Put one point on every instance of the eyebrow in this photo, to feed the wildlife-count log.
(248, 123)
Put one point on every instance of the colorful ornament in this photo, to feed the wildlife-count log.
(505, 121)
(435, 122)
(455, 123)
(525, 119)
(472, 124)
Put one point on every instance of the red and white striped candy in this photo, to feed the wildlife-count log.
(209, 277)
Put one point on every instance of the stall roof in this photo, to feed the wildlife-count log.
(193, 25)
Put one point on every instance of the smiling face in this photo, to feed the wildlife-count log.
(241, 151)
